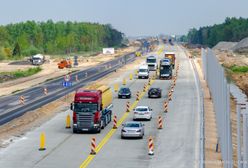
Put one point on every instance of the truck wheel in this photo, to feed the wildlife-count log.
(74, 131)
(103, 124)
(99, 130)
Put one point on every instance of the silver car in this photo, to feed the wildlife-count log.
(132, 129)
(142, 113)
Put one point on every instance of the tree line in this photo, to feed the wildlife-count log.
(232, 30)
(28, 38)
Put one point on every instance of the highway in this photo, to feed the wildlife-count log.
(176, 145)
(10, 107)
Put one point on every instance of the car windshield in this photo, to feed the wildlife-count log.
(152, 60)
(141, 109)
(132, 125)
(85, 107)
(142, 70)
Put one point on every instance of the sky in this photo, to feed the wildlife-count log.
(132, 17)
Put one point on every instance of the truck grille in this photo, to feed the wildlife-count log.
(84, 120)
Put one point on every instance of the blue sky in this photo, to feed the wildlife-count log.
(133, 17)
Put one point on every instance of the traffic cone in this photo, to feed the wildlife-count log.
(165, 107)
(149, 81)
(144, 88)
(45, 91)
(128, 106)
(76, 76)
(22, 100)
(93, 146)
(137, 95)
(150, 146)
(160, 122)
(115, 122)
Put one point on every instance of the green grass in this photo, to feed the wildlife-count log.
(25, 73)
(20, 73)
(239, 69)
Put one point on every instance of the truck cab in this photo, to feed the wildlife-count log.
(151, 61)
(37, 59)
(165, 69)
(143, 72)
(91, 109)
(172, 57)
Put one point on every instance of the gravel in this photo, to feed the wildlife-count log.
(242, 46)
(224, 46)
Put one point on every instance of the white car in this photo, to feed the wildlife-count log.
(142, 112)
(143, 72)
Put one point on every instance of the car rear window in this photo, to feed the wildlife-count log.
(125, 90)
(132, 125)
(141, 109)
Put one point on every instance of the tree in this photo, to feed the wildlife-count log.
(17, 50)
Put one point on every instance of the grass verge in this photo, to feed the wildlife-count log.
(6, 76)
(239, 69)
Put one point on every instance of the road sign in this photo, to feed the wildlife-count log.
(66, 84)
(67, 78)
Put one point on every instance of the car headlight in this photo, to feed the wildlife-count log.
(139, 130)
(123, 130)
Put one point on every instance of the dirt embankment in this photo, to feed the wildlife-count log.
(50, 70)
(229, 59)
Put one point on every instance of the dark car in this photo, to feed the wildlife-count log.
(124, 93)
(155, 93)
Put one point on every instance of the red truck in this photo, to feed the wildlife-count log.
(92, 108)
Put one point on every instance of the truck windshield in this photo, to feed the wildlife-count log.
(165, 69)
(85, 107)
(151, 60)
(142, 70)
(35, 58)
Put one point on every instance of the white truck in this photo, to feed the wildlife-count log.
(37, 59)
(151, 61)
(143, 72)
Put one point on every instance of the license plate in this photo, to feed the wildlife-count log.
(123, 96)
(85, 129)
(131, 131)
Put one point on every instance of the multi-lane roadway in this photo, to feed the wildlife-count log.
(176, 145)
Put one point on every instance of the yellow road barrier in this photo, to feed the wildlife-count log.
(42, 141)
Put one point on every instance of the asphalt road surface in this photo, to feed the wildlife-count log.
(176, 145)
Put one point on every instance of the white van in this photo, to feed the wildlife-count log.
(143, 72)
